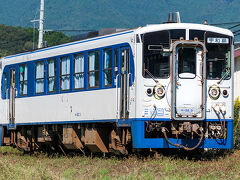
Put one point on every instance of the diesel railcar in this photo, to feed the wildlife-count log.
(159, 86)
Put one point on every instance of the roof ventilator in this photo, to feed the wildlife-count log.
(171, 18)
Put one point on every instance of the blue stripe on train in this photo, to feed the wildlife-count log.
(118, 121)
(139, 141)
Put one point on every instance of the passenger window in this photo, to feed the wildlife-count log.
(39, 77)
(51, 75)
(65, 73)
(93, 69)
(78, 74)
(107, 67)
(23, 79)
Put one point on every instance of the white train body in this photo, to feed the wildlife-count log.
(65, 107)
(175, 94)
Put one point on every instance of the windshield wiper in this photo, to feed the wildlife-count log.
(224, 76)
(150, 74)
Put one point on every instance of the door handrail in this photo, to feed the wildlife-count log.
(117, 102)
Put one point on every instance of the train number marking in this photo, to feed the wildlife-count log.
(78, 114)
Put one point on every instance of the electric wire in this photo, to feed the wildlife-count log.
(224, 124)
(225, 23)
(234, 26)
(154, 113)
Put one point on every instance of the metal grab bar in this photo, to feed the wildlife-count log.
(117, 102)
(128, 91)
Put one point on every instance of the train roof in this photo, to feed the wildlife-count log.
(158, 27)
(71, 43)
(140, 30)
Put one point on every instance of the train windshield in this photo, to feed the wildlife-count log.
(218, 61)
(156, 61)
(218, 55)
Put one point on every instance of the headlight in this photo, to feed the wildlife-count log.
(225, 93)
(214, 92)
(149, 91)
(159, 91)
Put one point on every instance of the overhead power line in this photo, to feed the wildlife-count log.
(234, 26)
(225, 23)
(236, 31)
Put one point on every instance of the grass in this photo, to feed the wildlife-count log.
(15, 165)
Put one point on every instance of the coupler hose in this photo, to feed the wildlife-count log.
(181, 146)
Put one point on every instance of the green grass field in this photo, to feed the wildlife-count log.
(15, 165)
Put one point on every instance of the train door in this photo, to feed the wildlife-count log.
(124, 82)
(188, 81)
(11, 99)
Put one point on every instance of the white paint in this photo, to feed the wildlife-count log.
(102, 104)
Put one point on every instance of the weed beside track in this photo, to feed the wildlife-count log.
(172, 165)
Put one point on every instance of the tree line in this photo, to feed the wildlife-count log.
(15, 40)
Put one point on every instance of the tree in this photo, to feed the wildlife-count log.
(15, 40)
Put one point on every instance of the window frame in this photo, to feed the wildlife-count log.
(43, 78)
(55, 75)
(115, 61)
(65, 75)
(208, 34)
(195, 73)
(78, 73)
(110, 68)
(95, 70)
(24, 81)
(163, 42)
(208, 65)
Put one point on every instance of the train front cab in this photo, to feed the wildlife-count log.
(186, 97)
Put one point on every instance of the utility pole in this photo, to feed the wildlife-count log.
(40, 38)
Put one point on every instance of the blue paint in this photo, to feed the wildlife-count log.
(168, 119)
(139, 141)
(11, 126)
(31, 73)
(31, 79)
(101, 68)
(85, 71)
(1, 133)
(4, 84)
(71, 73)
(58, 84)
(45, 77)
(124, 122)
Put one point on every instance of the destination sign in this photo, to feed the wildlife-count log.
(214, 40)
